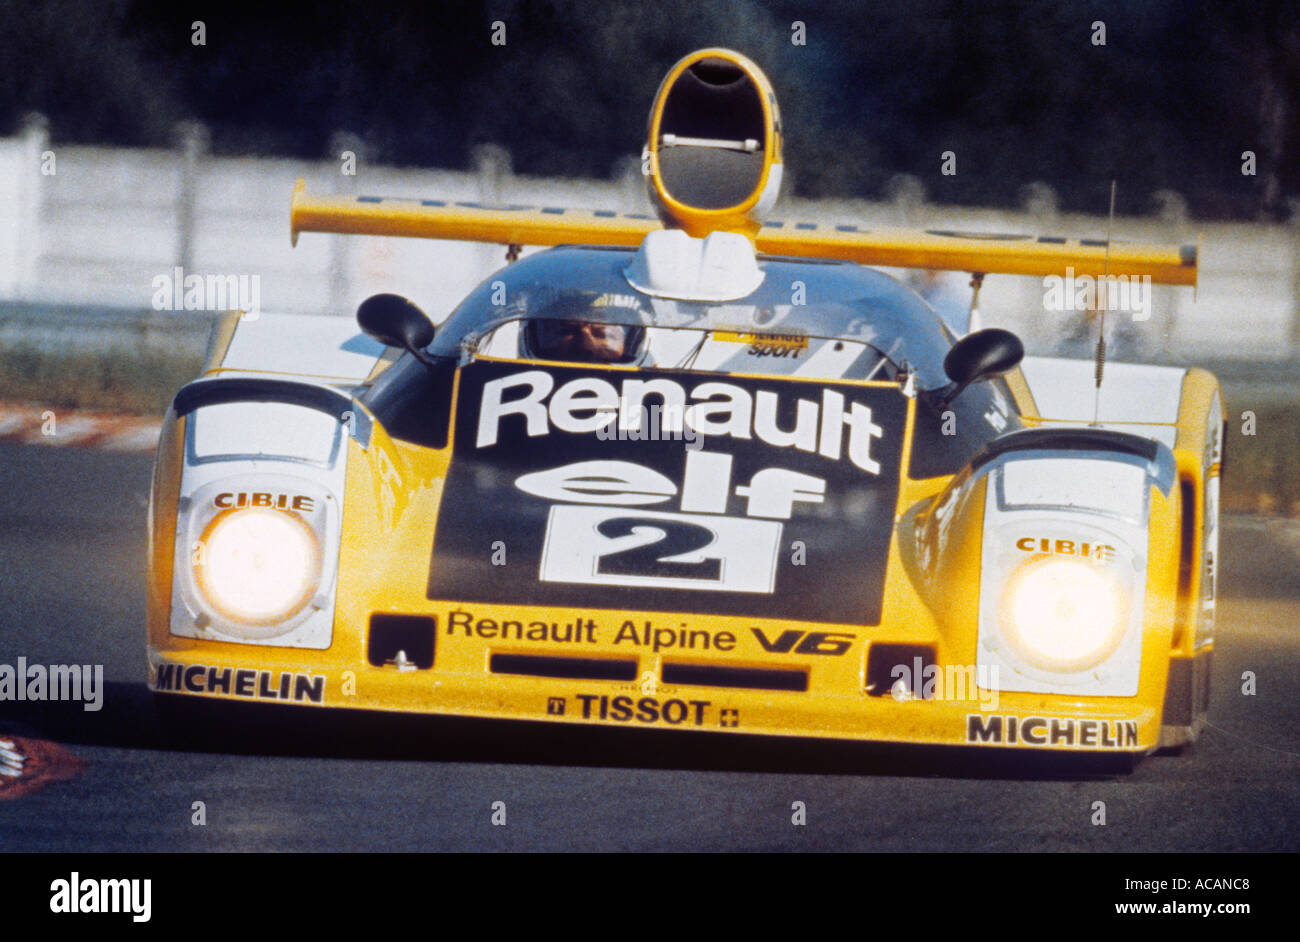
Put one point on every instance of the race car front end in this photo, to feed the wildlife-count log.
(755, 580)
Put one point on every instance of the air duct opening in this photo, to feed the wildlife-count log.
(712, 136)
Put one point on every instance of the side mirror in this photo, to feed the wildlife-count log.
(980, 355)
(395, 321)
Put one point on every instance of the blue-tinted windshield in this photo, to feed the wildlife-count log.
(817, 299)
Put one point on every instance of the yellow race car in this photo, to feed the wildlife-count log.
(705, 471)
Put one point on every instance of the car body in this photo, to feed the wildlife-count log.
(784, 499)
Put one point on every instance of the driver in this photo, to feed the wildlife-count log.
(586, 334)
(584, 341)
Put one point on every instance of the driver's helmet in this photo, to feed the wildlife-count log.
(608, 328)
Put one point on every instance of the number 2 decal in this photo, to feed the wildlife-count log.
(615, 546)
(667, 548)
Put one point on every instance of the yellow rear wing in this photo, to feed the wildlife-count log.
(987, 253)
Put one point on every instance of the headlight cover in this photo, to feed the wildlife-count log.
(1064, 614)
(256, 561)
(258, 565)
(1063, 574)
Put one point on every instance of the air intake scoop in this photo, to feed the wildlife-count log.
(714, 149)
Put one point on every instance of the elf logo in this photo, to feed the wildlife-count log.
(706, 486)
(834, 644)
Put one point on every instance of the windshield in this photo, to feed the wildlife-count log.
(809, 319)
(686, 348)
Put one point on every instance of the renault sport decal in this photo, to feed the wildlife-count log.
(669, 491)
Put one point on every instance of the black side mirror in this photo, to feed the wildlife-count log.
(980, 355)
(395, 321)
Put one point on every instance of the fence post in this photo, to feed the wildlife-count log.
(30, 206)
(1293, 224)
(342, 250)
(907, 195)
(192, 143)
(1039, 202)
(1172, 214)
(631, 185)
(493, 167)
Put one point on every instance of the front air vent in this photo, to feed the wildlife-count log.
(889, 663)
(572, 668)
(390, 634)
(755, 678)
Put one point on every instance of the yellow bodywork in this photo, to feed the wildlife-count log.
(393, 492)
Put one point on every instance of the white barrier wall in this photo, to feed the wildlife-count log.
(100, 224)
(20, 208)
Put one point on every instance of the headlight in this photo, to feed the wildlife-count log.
(258, 566)
(1063, 614)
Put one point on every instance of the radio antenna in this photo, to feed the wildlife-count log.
(1104, 286)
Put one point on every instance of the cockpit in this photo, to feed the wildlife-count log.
(813, 320)
(809, 320)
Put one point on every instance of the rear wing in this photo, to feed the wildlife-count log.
(985, 253)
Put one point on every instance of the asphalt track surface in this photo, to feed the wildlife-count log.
(72, 591)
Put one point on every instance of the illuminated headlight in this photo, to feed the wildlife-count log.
(258, 566)
(1064, 615)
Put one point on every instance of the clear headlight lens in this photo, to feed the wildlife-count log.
(1063, 614)
(258, 566)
